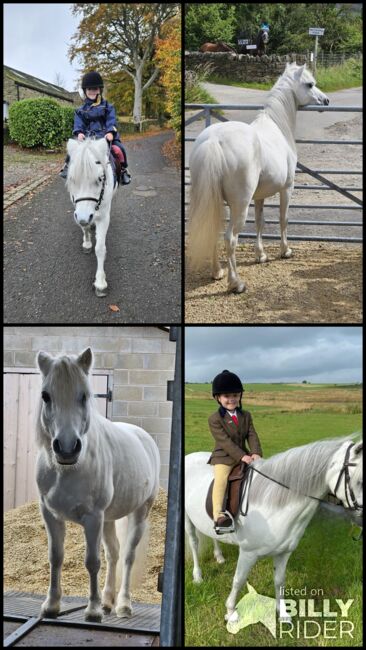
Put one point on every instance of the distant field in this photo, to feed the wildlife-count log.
(284, 415)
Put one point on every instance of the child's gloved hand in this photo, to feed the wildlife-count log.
(246, 458)
(109, 137)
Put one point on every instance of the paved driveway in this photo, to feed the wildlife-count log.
(47, 278)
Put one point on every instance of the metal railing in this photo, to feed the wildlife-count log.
(207, 111)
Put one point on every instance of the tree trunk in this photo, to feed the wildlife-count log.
(137, 106)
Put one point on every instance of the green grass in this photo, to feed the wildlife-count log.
(326, 558)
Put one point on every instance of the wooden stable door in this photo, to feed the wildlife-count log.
(21, 399)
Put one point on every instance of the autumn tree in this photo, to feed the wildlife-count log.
(168, 59)
(116, 36)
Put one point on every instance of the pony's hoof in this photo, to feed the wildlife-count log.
(124, 612)
(261, 259)
(287, 254)
(100, 293)
(87, 250)
(239, 287)
(94, 617)
(218, 275)
(107, 609)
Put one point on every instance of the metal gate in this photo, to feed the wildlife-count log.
(207, 111)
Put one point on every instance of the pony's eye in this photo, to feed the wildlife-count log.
(310, 85)
(83, 399)
(46, 397)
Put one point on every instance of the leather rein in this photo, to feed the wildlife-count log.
(347, 486)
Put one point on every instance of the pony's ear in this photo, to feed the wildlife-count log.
(72, 145)
(85, 360)
(298, 72)
(102, 144)
(44, 361)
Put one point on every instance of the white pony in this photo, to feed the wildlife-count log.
(277, 517)
(91, 185)
(236, 162)
(90, 471)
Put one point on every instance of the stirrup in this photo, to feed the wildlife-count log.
(222, 530)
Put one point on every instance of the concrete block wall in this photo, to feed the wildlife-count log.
(142, 360)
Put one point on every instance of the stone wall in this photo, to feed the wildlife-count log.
(242, 67)
(141, 359)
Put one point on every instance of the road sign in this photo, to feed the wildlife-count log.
(316, 31)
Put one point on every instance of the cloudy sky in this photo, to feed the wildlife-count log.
(37, 38)
(272, 354)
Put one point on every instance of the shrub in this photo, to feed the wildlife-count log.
(36, 122)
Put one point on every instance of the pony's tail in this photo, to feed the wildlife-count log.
(140, 562)
(206, 209)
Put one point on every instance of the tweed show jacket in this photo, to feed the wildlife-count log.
(231, 438)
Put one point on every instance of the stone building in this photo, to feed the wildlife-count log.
(19, 85)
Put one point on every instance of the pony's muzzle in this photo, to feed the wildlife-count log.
(64, 454)
(84, 220)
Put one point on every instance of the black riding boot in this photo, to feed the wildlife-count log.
(63, 172)
(125, 176)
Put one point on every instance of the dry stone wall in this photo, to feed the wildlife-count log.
(242, 67)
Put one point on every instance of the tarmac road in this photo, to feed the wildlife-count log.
(47, 278)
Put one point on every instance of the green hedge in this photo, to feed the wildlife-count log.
(36, 122)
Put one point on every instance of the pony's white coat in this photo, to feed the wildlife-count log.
(276, 518)
(236, 162)
(89, 160)
(91, 471)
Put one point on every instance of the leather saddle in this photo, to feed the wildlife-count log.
(234, 490)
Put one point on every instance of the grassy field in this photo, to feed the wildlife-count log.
(284, 415)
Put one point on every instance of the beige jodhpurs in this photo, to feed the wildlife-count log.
(221, 474)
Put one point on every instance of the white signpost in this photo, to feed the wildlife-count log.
(316, 31)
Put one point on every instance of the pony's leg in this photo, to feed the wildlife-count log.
(56, 535)
(245, 562)
(280, 563)
(111, 550)
(193, 542)
(238, 217)
(285, 196)
(100, 282)
(87, 242)
(259, 220)
(217, 552)
(135, 530)
(93, 526)
(217, 272)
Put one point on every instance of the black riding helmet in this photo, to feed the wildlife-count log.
(92, 80)
(226, 382)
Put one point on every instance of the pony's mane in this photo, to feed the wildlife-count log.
(281, 105)
(83, 163)
(302, 469)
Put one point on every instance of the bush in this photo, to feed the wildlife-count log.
(36, 122)
(67, 121)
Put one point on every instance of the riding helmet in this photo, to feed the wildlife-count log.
(226, 382)
(92, 80)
